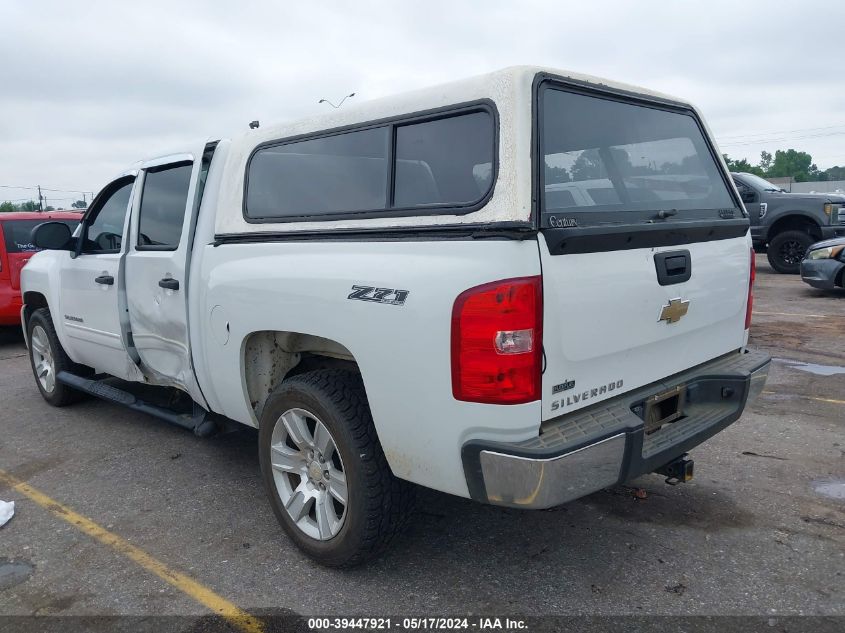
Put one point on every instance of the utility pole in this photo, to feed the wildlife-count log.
(40, 199)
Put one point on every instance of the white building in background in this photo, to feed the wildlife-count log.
(815, 186)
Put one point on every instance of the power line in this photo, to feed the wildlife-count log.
(808, 129)
(779, 140)
(33, 199)
(45, 189)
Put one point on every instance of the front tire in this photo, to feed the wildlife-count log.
(787, 249)
(47, 358)
(324, 470)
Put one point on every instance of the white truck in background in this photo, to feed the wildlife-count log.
(520, 288)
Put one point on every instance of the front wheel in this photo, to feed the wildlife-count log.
(48, 358)
(328, 481)
(787, 249)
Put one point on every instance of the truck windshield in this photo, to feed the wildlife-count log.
(18, 234)
(603, 154)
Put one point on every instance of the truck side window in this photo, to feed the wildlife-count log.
(745, 192)
(163, 203)
(104, 233)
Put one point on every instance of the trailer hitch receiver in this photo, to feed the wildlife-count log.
(679, 470)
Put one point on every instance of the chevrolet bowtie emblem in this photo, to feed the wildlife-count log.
(674, 310)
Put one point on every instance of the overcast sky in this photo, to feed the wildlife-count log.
(90, 87)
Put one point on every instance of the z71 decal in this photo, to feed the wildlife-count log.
(379, 295)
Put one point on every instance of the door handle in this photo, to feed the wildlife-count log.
(169, 283)
(106, 280)
(674, 267)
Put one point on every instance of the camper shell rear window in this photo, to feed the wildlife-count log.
(442, 162)
(613, 159)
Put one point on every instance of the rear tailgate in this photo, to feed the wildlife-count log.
(646, 265)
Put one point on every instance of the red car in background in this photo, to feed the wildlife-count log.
(16, 248)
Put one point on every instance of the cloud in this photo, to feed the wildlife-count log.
(90, 87)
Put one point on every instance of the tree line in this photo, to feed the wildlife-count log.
(784, 164)
(32, 205)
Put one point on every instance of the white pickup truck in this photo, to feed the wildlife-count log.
(520, 288)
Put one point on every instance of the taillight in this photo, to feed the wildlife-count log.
(497, 342)
(751, 279)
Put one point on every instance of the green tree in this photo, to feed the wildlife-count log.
(798, 165)
(835, 173)
(28, 206)
(788, 163)
(7, 206)
(79, 204)
(49, 208)
(816, 174)
(742, 165)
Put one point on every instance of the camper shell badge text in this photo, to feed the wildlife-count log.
(562, 223)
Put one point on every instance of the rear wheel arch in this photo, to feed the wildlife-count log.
(795, 222)
(269, 357)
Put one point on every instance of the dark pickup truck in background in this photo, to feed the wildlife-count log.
(786, 224)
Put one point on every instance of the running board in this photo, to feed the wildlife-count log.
(200, 422)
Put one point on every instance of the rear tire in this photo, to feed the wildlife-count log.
(330, 455)
(48, 358)
(787, 249)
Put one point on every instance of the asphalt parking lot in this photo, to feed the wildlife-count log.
(752, 534)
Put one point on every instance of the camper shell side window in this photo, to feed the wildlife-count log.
(436, 162)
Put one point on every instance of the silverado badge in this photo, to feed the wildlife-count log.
(674, 310)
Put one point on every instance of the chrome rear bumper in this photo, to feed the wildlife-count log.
(602, 445)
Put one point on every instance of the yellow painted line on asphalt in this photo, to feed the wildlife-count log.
(187, 585)
(810, 316)
(817, 399)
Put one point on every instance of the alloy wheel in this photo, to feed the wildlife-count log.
(792, 252)
(42, 359)
(309, 474)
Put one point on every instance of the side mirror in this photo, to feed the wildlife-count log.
(55, 236)
(748, 196)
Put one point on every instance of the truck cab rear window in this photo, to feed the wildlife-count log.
(439, 163)
(607, 155)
